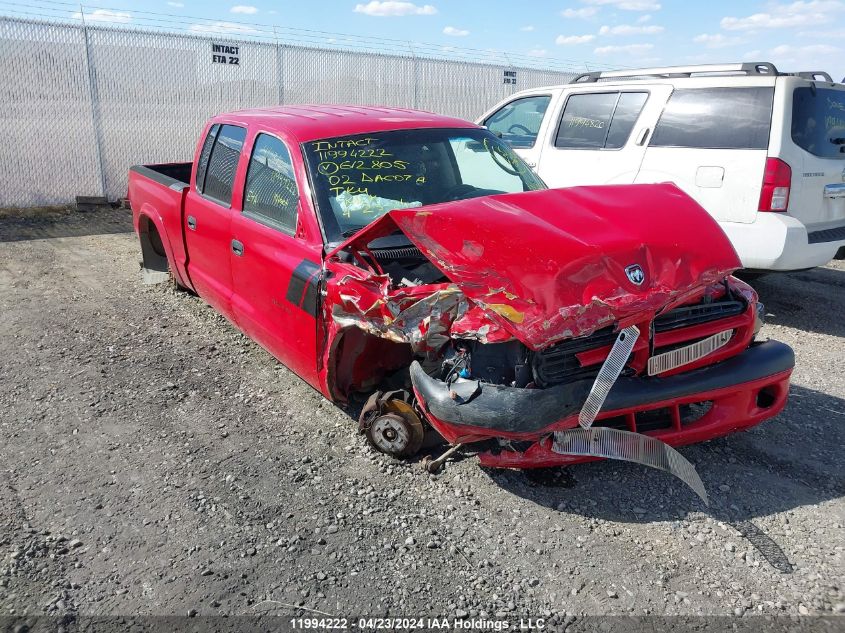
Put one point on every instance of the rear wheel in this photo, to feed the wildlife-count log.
(155, 260)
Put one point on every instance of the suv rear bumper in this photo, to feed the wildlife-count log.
(744, 390)
(775, 241)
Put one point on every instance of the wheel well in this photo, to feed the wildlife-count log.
(152, 248)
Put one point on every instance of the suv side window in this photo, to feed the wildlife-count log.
(202, 163)
(270, 194)
(625, 116)
(602, 120)
(223, 163)
(518, 122)
(716, 118)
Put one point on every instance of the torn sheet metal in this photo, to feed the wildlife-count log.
(629, 447)
(568, 277)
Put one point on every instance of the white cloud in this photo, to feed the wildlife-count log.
(716, 41)
(627, 5)
(538, 52)
(780, 16)
(178, 5)
(222, 27)
(565, 40)
(527, 28)
(786, 50)
(244, 8)
(584, 12)
(630, 49)
(392, 8)
(105, 15)
(643, 19)
(451, 30)
(629, 29)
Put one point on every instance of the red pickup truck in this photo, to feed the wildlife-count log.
(417, 258)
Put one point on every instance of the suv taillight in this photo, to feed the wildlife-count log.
(777, 178)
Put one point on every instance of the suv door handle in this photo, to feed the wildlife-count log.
(192, 223)
(643, 136)
(237, 248)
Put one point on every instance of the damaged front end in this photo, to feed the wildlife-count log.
(554, 326)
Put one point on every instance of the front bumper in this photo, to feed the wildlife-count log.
(744, 390)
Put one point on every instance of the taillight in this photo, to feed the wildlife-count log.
(777, 178)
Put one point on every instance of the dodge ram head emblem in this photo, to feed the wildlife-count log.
(635, 274)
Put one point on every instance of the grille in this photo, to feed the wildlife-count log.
(694, 315)
(558, 363)
(674, 417)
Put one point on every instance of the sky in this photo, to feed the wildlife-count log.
(800, 35)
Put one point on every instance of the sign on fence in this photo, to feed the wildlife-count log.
(225, 54)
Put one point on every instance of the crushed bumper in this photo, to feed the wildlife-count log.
(743, 391)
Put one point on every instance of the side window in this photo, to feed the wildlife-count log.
(599, 121)
(270, 194)
(624, 118)
(202, 164)
(518, 122)
(223, 163)
(716, 118)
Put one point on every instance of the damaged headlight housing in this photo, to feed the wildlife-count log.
(759, 317)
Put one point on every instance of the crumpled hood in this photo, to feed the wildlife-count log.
(549, 265)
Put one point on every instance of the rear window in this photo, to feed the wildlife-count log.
(818, 121)
(601, 120)
(223, 163)
(716, 118)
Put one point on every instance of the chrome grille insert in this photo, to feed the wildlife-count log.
(690, 353)
(609, 372)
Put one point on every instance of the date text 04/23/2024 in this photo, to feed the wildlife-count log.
(410, 624)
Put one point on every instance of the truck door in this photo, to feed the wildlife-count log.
(520, 124)
(276, 263)
(600, 137)
(208, 215)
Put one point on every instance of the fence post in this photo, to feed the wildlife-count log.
(95, 109)
(280, 67)
(416, 77)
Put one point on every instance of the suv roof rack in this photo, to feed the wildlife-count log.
(746, 68)
(813, 75)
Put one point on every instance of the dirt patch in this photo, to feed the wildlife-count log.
(155, 461)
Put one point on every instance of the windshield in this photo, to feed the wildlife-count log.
(818, 121)
(360, 178)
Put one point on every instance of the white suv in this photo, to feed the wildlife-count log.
(763, 152)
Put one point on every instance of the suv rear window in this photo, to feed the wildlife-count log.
(716, 118)
(602, 120)
(818, 121)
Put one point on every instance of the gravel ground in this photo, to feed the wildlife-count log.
(155, 461)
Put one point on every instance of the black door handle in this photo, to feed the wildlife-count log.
(237, 248)
(192, 223)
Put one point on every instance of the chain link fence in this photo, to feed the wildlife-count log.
(82, 103)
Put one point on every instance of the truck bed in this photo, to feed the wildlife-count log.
(167, 174)
(159, 192)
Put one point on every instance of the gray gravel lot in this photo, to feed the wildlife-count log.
(155, 461)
